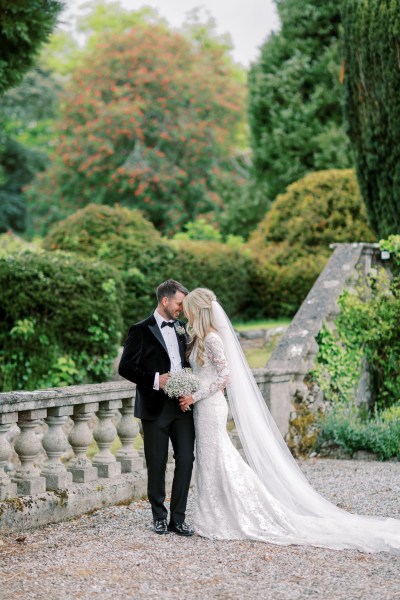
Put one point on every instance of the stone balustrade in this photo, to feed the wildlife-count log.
(54, 406)
(48, 488)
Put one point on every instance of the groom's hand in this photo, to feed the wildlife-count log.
(163, 380)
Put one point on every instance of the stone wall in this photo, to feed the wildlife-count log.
(289, 393)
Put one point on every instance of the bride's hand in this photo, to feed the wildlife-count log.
(185, 402)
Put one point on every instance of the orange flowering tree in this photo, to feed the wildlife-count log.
(150, 121)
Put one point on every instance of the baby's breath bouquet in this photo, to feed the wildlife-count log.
(182, 383)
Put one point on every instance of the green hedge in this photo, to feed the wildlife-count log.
(129, 242)
(291, 244)
(126, 240)
(60, 321)
(228, 271)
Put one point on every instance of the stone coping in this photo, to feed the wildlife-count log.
(17, 401)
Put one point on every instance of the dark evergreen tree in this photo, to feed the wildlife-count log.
(295, 111)
(24, 26)
(372, 105)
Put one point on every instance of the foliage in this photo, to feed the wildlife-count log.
(200, 229)
(24, 26)
(126, 240)
(26, 114)
(60, 321)
(338, 366)
(295, 113)
(367, 334)
(380, 434)
(291, 243)
(225, 269)
(64, 53)
(149, 121)
(131, 243)
(372, 105)
(392, 245)
(11, 243)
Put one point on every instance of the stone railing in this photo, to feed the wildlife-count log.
(42, 487)
(32, 495)
(294, 355)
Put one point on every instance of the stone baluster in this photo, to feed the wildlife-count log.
(27, 446)
(104, 434)
(128, 430)
(80, 439)
(8, 489)
(55, 443)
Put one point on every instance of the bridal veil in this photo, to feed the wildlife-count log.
(315, 520)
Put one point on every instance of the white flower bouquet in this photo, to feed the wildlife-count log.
(182, 383)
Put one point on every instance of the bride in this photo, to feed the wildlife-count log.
(270, 500)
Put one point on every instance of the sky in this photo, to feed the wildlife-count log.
(247, 21)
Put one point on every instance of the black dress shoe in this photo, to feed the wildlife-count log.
(180, 529)
(160, 526)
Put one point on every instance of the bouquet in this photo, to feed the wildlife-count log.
(182, 383)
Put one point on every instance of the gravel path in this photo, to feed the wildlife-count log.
(112, 553)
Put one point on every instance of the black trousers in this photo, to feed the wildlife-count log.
(177, 426)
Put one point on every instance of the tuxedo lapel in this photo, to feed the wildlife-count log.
(182, 347)
(155, 330)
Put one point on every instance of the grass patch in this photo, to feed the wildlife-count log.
(262, 324)
(258, 357)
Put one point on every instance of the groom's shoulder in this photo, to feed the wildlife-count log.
(143, 324)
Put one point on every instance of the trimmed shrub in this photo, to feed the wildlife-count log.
(291, 244)
(129, 242)
(60, 321)
(224, 269)
(125, 239)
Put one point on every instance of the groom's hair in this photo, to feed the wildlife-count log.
(169, 288)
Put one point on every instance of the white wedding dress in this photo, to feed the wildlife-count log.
(271, 501)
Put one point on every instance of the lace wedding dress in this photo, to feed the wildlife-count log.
(269, 501)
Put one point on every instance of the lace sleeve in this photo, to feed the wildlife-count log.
(215, 353)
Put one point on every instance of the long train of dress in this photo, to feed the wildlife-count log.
(233, 503)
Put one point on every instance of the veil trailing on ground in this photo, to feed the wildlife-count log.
(315, 519)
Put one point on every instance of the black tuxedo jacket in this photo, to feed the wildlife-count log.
(145, 354)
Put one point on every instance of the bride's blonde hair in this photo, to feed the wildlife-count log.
(197, 307)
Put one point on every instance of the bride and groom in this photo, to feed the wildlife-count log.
(264, 499)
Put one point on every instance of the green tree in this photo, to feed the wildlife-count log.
(295, 113)
(26, 116)
(24, 26)
(372, 105)
(149, 122)
(66, 48)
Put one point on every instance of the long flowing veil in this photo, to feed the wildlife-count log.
(315, 519)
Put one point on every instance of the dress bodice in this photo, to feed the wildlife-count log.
(214, 372)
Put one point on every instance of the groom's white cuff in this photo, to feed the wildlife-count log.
(156, 385)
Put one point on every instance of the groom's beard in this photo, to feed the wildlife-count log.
(171, 317)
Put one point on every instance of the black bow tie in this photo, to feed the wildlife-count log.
(169, 323)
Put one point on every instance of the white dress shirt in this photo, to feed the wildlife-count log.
(171, 342)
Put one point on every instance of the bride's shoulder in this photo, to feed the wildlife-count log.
(212, 336)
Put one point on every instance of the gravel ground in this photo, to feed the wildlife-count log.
(112, 553)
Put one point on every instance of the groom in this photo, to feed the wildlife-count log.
(155, 347)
